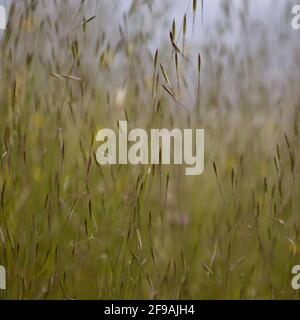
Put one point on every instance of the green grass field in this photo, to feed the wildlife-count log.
(71, 229)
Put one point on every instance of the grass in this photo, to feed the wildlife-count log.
(70, 229)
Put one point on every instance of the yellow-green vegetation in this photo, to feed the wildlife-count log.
(70, 229)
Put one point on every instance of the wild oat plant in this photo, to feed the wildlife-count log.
(71, 229)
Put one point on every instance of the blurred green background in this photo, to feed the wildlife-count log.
(70, 229)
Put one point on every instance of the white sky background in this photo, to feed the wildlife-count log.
(271, 17)
(267, 11)
(268, 20)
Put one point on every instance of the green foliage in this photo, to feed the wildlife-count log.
(70, 229)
